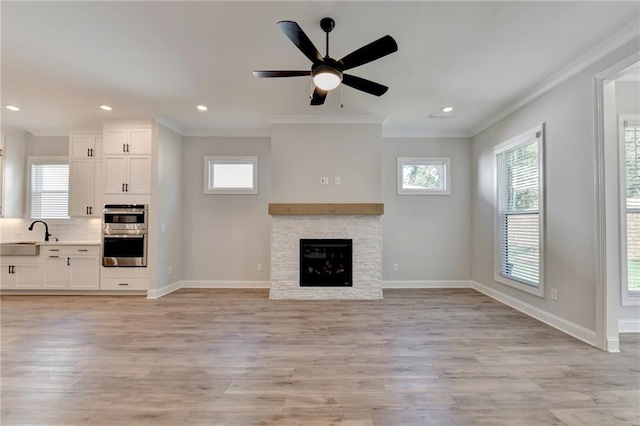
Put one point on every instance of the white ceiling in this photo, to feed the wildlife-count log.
(61, 60)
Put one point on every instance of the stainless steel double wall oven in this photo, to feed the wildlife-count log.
(124, 235)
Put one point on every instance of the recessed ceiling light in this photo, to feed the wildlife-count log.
(106, 107)
(447, 109)
(202, 107)
(13, 108)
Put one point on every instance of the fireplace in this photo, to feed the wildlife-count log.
(326, 263)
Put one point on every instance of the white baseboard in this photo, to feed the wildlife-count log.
(163, 291)
(613, 345)
(226, 284)
(569, 327)
(427, 284)
(629, 326)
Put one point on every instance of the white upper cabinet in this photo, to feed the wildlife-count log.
(85, 175)
(134, 141)
(85, 146)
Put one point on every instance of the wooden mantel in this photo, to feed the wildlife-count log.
(327, 209)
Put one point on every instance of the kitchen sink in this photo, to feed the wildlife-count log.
(22, 248)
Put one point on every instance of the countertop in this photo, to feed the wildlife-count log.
(59, 243)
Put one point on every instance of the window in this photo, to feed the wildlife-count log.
(519, 212)
(49, 188)
(424, 176)
(630, 217)
(230, 175)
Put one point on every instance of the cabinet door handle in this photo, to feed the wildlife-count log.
(123, 284)
(88, 152)
(83, 250)
(90, 210)
(126, 185)
(127, 147)
(13, 269)
(123, 187)
(54, 257)
(87, 209)
(124, 147)
(92, 152)
(54, 249)
(9, 269)
(68, 261)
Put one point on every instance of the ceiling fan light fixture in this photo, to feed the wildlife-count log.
(327, 78)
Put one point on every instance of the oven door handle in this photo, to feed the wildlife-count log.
(124, 211)
(124, 235)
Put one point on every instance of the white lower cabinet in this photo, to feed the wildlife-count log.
(124, 279)
(71, 267)
(121, 284)
(20, 273)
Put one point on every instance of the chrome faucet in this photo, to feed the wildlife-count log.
(46, 228)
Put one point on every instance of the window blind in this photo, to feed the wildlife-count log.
(518, 201)
(632, 174)
(49, 191)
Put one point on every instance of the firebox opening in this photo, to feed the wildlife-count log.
(326, 263)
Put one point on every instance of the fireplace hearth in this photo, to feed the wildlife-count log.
(326, 263)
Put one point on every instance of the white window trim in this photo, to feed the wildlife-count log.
(512, 143)
(424, 160)
(45, 160)
(626, 298)
(208, 160)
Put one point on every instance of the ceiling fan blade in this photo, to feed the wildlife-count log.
(300, 39)
(318, 97)
(367, 86)
(372, 51)
(264, 74)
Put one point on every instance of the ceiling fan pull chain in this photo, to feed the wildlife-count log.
(341, 101)
(311, 89)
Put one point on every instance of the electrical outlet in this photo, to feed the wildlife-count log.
(554, 294)
(336, 180)
(170, 269)
(259, 267)
(395, 266)
(324, 181)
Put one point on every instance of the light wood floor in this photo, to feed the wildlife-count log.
(233, 357)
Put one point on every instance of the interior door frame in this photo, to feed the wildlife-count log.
(607, 260)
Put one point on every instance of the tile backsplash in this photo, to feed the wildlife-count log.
(64, 230)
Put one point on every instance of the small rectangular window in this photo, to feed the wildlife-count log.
(49, 189)
(519, 212)
(230, 175)
(424, 176)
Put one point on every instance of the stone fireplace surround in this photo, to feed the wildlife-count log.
(359, 222)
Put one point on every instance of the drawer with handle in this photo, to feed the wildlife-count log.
(123, 284)
(70, 250)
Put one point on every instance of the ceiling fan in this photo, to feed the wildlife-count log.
(327, 73)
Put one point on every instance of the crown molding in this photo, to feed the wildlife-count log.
(599, 51)
(50, 132)
(425, 134)
(14, 131)
(325, 119)
(171, 125)
(233, 133)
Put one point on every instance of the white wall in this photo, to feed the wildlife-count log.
(628, 102)
(429, 237)
(225, 236)
(302, 153)
(568, 111)
(46, 146)
(628, 97)
(169, 215)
